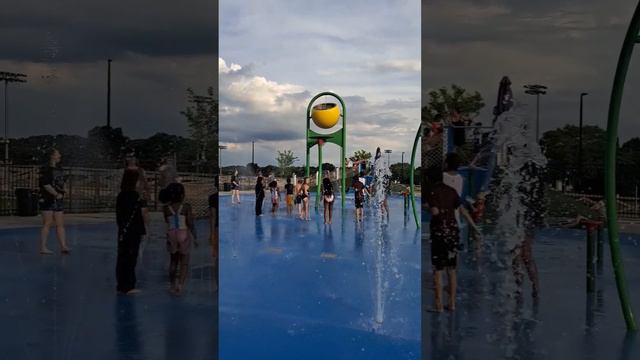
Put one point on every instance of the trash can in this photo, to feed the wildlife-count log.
(26, 202)
(227, 186)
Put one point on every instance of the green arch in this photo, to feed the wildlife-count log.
(610, 169)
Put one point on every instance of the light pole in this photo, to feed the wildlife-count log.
(108, 93)
(582, 95)
(253, 148)
(388, 152)
(8, 77)
(220, 148)
(537, 90)
(402, 162)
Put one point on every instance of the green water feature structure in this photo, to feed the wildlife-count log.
(624, 60)
(326, 116)
(412, 169)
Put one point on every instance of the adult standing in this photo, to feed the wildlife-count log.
(130, 210)
(51, 202)
(168, 173)
(143, 188)
(259, 195)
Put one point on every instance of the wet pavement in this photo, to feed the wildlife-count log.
(292, 289)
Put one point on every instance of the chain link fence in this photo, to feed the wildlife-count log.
(90, 190)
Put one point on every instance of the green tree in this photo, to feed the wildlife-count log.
(360, 155)
(444, 102)
(285, 160)
(561, 149)
(202, 118)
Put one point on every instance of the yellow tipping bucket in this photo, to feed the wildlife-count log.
(325, 115)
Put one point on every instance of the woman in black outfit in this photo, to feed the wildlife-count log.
(130, 207)
(259, 196)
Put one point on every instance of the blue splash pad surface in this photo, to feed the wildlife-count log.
(565, 323)
(66, 307)
(291, 289)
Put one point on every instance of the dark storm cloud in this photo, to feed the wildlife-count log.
(81, 31)
(570, 46)
(158, 50)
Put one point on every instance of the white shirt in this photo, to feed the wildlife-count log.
(456, 182)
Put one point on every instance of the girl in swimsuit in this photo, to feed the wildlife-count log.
(305, 199)
(328, 199)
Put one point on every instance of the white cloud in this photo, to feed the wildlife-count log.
(224, 69)
(255, 108)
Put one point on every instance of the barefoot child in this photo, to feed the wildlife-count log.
(275, 196)
(181, 232)
(289, 188)
(443, 201)
(359, 195)
(328, 199)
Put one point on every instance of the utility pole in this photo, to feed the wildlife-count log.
(582, 95)
(537, 90)
(8, 77)
(108, 93)
(402, 174)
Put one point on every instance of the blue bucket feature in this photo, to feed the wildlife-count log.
(473, 175)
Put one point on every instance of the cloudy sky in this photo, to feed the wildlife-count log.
(275, 55)
(158, 50)
(570, 46)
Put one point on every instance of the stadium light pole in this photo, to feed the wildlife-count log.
(388, 152)
(220, 148)
(8, 77)
(582, 95)
(109, 93)
(402, 174)
(537, 90)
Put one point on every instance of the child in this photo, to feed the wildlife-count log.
(298, 201)
(289, 188)
(360, 191)
(442, 201)
(477, 212)
(328, 199)
(213, 231)
(181, 232)
(275, 196)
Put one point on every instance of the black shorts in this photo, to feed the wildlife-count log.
(359, 203)
(444, 247)
(55, 205)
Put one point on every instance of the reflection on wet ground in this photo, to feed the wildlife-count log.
(292, 289)
(564, 323)
(57, 307)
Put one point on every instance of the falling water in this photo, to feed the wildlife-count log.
(382, 175)
(517, 148)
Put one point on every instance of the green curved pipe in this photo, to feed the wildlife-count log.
(610, 168)
(411, 176)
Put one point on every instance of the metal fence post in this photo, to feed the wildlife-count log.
(591, 278)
